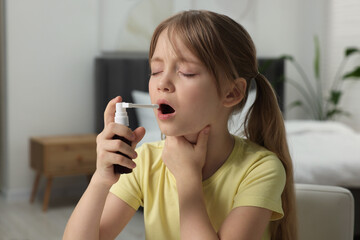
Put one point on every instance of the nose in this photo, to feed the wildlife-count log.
(165, 84)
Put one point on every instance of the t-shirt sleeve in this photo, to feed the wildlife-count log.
(263, 185)
(128, 187)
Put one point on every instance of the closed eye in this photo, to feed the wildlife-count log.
(188, 75)
(154, 73)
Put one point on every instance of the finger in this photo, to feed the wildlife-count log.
(114, 158)
(113, 129)
(110, 110)
(203, 137)
(117, 145)
(139, 134)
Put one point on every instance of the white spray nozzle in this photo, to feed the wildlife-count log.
(121, 114)
(133, 105)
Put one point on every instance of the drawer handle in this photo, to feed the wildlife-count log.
(79, 159)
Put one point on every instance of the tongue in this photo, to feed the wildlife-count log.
(166, 109)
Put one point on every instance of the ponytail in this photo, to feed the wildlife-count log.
(264, 125)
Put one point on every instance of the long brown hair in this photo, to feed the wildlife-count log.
(228, 52)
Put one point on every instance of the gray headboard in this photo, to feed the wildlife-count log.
(117, 74)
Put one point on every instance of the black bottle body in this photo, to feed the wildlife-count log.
(118, 168)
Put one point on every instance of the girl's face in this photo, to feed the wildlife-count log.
(184, 89)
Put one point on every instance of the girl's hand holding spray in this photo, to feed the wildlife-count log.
(121, 117)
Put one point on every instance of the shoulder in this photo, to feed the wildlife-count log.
(256, 155)
(263, 179)
(252, 149)
(259, 163)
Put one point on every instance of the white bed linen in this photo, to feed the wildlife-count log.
(324, 153)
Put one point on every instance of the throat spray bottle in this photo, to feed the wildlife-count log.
(121, 117)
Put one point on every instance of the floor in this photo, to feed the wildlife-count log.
(21, 220)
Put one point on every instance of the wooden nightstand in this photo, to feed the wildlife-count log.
(61, 156)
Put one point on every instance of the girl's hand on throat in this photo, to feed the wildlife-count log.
(185, 159)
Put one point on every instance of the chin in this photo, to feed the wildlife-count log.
(177, 130)
(178, 133)
(170, 133)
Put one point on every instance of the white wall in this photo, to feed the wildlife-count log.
(2, 92)
(344, 32)
(51, 47)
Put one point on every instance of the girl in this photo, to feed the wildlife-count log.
(201, 182)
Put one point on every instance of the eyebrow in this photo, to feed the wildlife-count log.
(156, 59)
(180, 59)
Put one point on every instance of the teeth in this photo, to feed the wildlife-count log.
(166, 109)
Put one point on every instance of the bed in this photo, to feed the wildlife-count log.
(326, 153)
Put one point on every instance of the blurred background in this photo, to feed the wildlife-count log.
(48, 50)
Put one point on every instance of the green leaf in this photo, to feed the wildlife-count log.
(351, 50)
(331, 113)
(296, 103)
(287, 57)
(278, 81)
(281, 79)
(353, 74)
(264, 67)
(336, 111)
(317, 58)
(335, 97)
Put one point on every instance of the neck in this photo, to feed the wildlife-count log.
(220, 145)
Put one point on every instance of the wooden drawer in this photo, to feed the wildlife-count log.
(65, 155)
(55, 156)
(69, 158)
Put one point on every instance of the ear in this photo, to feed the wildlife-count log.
(235, 93)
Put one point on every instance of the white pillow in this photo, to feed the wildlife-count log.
(146, 117)
(306, 126)
(236, 121)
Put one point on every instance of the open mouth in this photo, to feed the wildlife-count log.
(166, 109)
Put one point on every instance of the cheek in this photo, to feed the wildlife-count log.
(152, 89)
(206, 93)
(202, 101)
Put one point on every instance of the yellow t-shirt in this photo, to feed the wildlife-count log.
(251, 176)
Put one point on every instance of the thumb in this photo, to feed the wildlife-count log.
(110, 110)
(203, 137)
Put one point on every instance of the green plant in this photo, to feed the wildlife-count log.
(315, 103)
